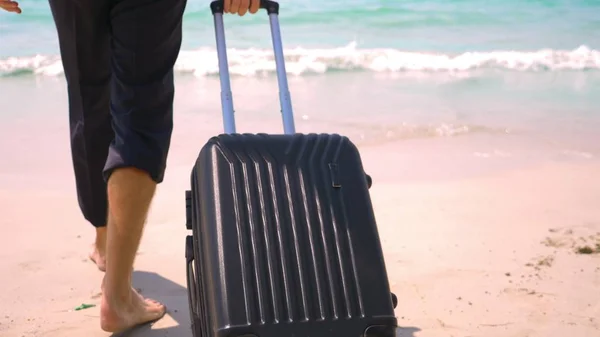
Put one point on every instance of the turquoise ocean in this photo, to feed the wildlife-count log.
(381, 69)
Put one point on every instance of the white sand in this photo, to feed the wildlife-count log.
(478, 254)
(493, 256)
(478, 230)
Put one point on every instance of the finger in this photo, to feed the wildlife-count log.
(244, 6)
(12, 10)
(254, 6)
(8, 4)
(226, 6)
(235, 6)
(11, 7)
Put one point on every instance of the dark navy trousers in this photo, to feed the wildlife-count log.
(118, 58)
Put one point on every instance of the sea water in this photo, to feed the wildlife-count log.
(378, 69)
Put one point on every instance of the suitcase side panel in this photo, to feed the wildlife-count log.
(212, 192)
(356, 211)
(288, 232)
(201, 323)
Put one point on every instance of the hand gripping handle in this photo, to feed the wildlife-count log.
(272, 7)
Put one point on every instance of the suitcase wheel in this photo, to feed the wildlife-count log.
(380, 331)
(394, 300)
(369, 180)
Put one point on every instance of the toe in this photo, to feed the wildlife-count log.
(150, 301)
(155, 310)
(155, 305)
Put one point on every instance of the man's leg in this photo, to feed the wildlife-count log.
(145, 45)
(84, 39)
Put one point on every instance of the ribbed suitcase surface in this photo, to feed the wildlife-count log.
(284, 240)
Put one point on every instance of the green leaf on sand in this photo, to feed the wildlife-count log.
(84, 306)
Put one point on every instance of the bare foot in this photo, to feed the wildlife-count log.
(98, 254)
(98, 257)
(118, 317)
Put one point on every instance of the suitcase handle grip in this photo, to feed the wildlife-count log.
(272, 7)
(285, 100)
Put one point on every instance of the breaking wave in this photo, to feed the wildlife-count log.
(300, 61)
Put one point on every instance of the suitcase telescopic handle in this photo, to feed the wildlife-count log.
(285, 100)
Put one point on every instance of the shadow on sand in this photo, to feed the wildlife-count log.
(177, 321)
(406, 331)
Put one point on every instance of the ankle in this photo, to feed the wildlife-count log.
(117, 296)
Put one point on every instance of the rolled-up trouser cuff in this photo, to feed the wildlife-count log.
(148, 154)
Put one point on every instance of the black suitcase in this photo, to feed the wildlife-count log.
(284, 241)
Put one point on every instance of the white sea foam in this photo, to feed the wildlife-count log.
(299, 61)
